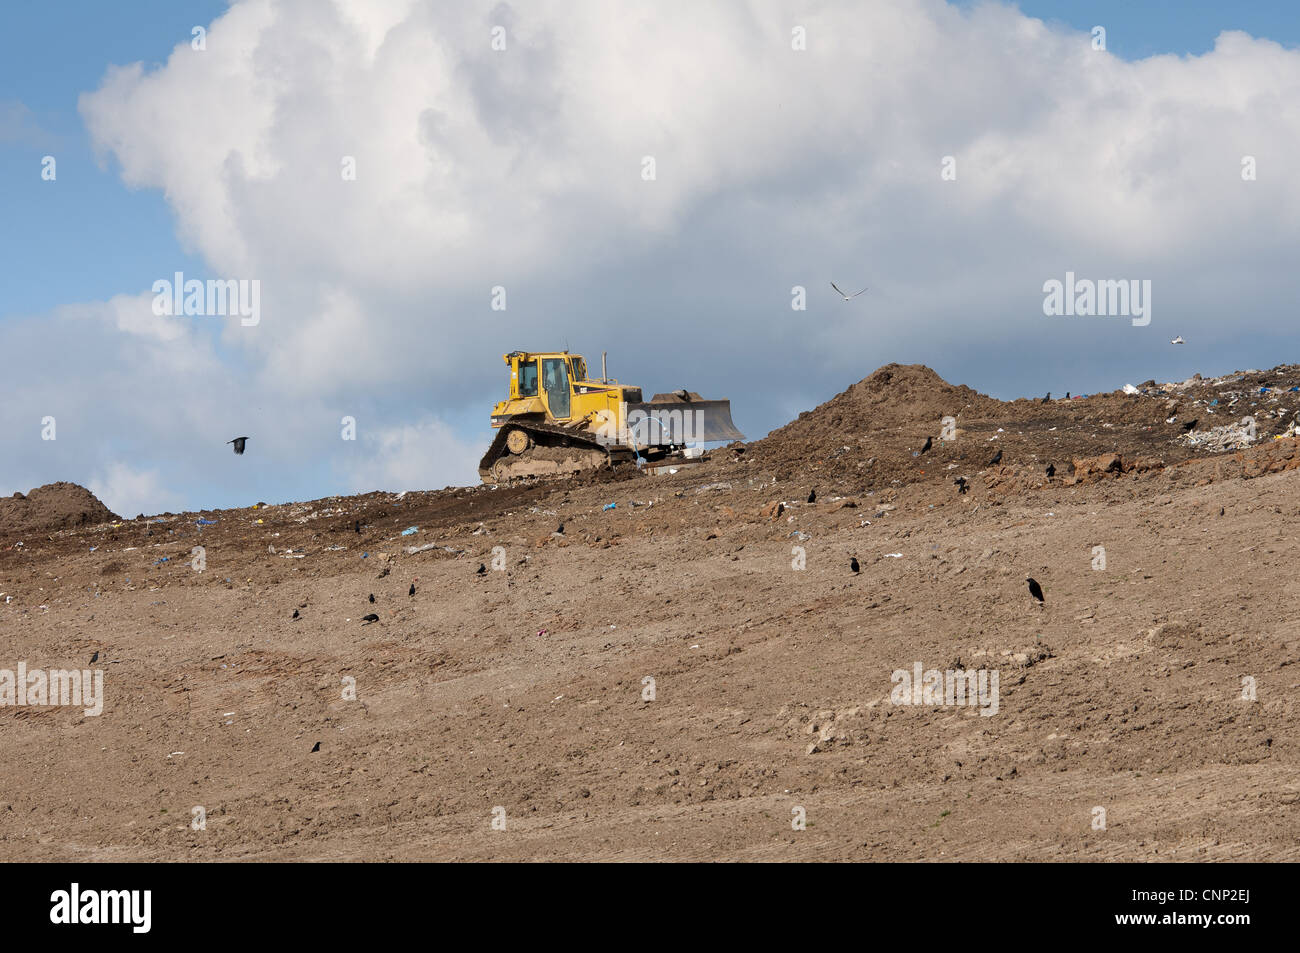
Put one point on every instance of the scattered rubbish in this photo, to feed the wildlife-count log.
(1220, 439)
(1130, 389)
(609, 506)
(163, 560)
(541, 632)
(364, 555)
(410, 531)
(205, 522)
(893, 555)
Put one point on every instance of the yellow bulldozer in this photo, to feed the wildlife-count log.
(557, 421)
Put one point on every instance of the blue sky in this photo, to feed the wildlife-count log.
(397, 334)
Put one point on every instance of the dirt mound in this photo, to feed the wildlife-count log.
(51, 507)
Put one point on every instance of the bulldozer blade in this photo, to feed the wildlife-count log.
(681, 422)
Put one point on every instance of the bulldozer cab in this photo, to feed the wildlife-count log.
(555, 382)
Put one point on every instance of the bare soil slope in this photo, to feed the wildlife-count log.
(527, 688)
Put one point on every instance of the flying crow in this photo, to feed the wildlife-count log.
(843, 295)
(239, 444)
(997, 458)
(1035, 589)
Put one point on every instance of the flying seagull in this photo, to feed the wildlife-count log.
(1178, 340)
(843, 295)
(239, 444)
(1035, 589)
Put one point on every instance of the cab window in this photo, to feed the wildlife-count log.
(528, 379)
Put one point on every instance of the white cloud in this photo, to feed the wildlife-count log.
(775, 167)
(419, 456)
(128, 491)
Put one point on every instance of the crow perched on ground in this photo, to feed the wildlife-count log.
(1051, 470)
(94, 658)
(1067, 395)
(482, 570)
(853, 565)
(356, 526)
(367, 619)
(560, 529)
(295, 614)
(812, 495)
(1190, 424)
(372, 598)
(1035, 589)
(929, 442)
(997, 458)
(960, 483)
(412, 592)
(239, 444)
(1047, 398)
(315, 747)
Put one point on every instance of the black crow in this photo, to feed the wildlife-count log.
(1051, 470)
(239, 444)
(960, 483)
(367, 619)
(296, 615)
(1035, 589)
(315, 747)
(812, 495)
(1190, 424)
(372, 598)
(1047, 398)
(853, 565)
(94, 658)
(929, 442)
(560, 530)
(1067, 395)
(356, 526)
(482, 570)
(997, 458)
(412, 592)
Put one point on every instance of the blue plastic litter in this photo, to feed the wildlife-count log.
(364, 555)
(410, 531)
(609, 506)
(163, 560)
(205, 522)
